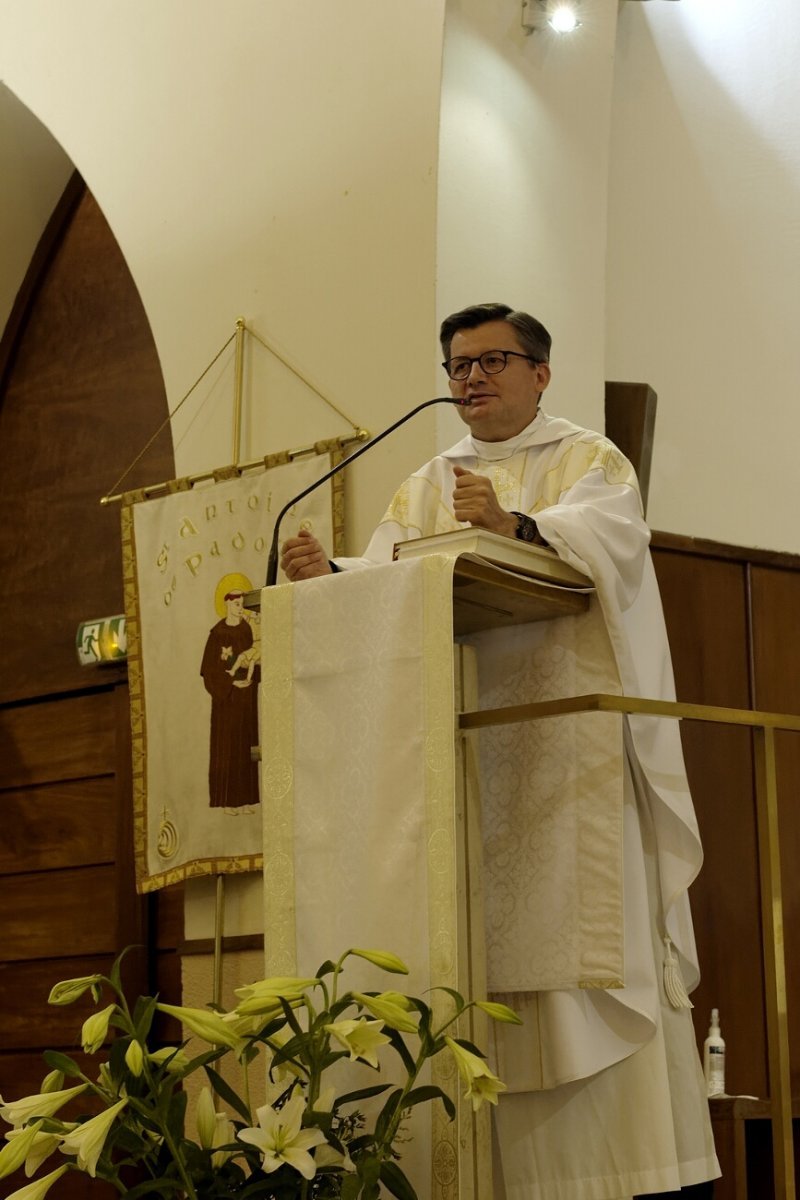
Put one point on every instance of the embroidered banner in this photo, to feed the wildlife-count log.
(194, 662)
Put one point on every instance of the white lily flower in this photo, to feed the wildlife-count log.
(38, 1189)
(327, 1156)
(88, 1139)
(281, 1139)
(361, 1038)
(17, 1112)
(95, 1030)
(17, 1149)
(481, 1083)
(41, 1146)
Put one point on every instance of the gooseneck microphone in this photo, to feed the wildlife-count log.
(272, 561)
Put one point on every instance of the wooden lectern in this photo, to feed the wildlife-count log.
(372, 830)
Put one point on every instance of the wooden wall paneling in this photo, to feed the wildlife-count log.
(57, 740)
(725, 901)
(68, 824)
(775, 599)
(706, 610)
(83, 393)
(52, 914)
(27, 1021)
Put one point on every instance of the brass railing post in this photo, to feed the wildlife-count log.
(774, 961)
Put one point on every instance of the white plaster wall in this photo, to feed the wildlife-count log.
(523, 169)
(704, 256)
(34, 171)
(271, 160)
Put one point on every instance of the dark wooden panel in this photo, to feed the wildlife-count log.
(58, 825)
(169, 916)
(56, 914)
(630, 417)
(706, 548)
(726, 901)
(776, 638)
(706, 614)
(56, 740)
(83, 394)
(27, 1021)
(776, 659)
(705, 607)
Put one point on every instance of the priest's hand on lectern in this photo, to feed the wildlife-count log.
(303, 557)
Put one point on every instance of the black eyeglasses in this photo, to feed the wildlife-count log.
(491, 361)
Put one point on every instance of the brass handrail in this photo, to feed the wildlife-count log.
(763, 725)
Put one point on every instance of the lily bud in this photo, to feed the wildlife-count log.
(134, 1058)
(383, 959)
(95, 1030)
(71, 989)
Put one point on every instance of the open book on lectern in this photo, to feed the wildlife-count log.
(540, 562)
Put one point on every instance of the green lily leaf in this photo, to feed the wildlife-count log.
(397, 1182)
(460, 1002)
(430, 1092)
(226, 1093)
(61, 1062)
(386, 1114)
(361, 1094)
(327, 968)
(143, 1016)
(291, 1018)
(402, 1049)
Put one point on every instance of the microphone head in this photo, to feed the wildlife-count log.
(463, 403)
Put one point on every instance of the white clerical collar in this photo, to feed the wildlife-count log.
(493, 451)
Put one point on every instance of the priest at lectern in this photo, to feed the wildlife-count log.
(606, 1096)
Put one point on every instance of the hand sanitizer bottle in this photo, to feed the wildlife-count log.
(714, 1058)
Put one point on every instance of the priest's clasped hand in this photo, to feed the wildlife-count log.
(303, 557)
(474, 500)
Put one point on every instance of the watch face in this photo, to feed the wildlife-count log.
(526, 529)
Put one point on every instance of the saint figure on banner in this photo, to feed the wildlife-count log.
(231, 673)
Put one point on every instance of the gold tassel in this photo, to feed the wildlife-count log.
(673, 980)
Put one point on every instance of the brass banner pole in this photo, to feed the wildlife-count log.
(219, 921)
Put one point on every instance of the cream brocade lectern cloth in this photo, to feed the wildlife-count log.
(358, 783)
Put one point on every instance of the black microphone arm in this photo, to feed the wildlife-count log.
(272, 561)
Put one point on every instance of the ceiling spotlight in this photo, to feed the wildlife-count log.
(563, 18)
(560, 15)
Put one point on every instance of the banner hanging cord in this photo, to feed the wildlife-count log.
(166, 421)
(290, 367)
(359, 433)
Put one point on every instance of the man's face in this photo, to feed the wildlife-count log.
(501, 405)
(235, 607)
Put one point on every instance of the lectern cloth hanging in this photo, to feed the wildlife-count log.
(194, 663)
(358, 706)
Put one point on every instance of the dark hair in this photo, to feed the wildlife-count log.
(533, 337)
